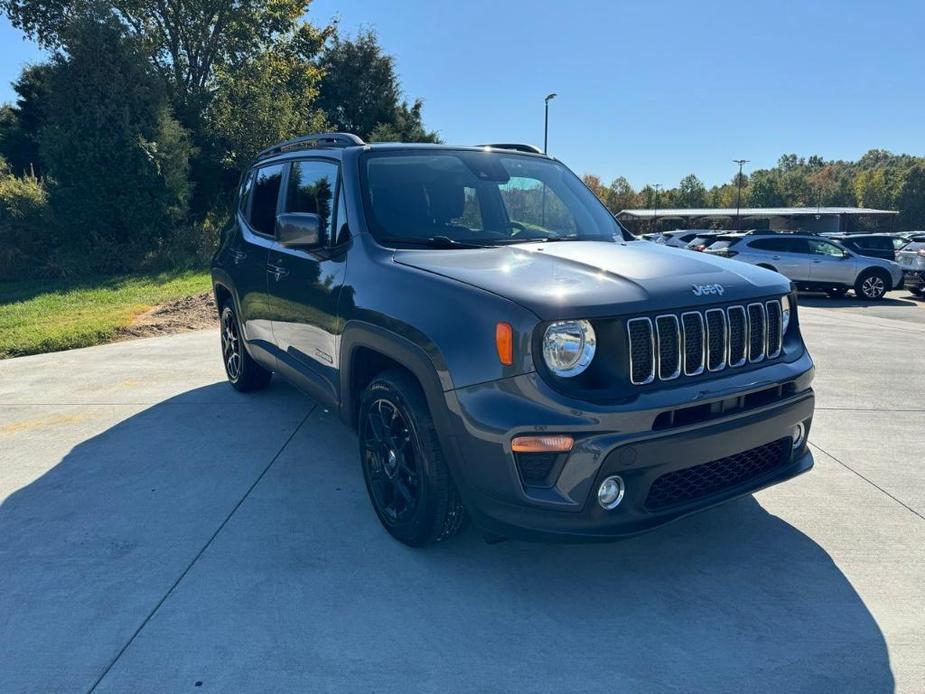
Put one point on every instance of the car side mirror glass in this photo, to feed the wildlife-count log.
(301, 230)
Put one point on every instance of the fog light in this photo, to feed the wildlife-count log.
(798, 435)
(610, 493)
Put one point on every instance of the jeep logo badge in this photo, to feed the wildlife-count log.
(704, 289)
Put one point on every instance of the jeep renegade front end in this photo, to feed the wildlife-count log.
(503, 348)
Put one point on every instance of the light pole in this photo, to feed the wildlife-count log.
(657, 187)
(549, 97)
(740, 162)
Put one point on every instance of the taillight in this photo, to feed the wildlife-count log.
(921, 252)
(700, 248)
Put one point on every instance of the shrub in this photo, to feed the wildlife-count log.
(24, 225)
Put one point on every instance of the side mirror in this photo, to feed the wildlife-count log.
(301, 230)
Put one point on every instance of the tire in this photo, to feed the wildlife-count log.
(243, 372)
(407, 479)
(872, 285)
(836, 293)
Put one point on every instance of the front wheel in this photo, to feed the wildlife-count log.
(407, 479)
(872, 285)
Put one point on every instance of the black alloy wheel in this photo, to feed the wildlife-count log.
(391, 461)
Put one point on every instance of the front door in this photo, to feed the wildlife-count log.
(304, 286)
(830, 263)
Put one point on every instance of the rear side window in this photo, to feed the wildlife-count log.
(311, 188)
(877, 243)
(245, 192)
(265, 195)
(769, 244)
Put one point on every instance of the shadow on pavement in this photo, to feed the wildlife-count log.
(303, 590)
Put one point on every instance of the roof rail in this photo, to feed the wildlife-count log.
(531, 149)
(309, 141)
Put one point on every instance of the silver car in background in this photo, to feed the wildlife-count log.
(679, 238)
(813, 263)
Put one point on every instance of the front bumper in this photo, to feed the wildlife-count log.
(617, 440)
(914, 279)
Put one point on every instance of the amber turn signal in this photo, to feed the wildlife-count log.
(504, 341)
(553, 443)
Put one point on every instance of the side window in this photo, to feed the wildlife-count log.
(880, 243)
(342, 230)
(262, 216)
(311, 189)
(245, 192)
(797, 245)
(817, 247)
(775, 245)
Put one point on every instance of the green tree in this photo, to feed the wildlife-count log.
(360, 93)
(691, 192)
(266, 99)
(20, 124)
(910, 197)
(116, 159)
(24, 223)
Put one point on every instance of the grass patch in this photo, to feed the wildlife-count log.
(47, 316)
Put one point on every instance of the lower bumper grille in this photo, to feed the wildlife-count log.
(711, 478)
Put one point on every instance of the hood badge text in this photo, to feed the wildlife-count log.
(705, 289)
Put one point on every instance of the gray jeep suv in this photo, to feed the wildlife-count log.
(503, 349)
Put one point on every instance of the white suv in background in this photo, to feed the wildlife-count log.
(813, 263)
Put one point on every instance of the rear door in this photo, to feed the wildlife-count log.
(304, 286)
(784, 255)
(249, 253)
(876, 247)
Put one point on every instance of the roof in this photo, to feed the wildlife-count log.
(750, 212)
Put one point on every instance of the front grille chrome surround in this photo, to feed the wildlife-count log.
(668, 330)
(691, 343)
(694, 341)
(757, 332)
(641, 350)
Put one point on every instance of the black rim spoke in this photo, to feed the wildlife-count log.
(390, 458)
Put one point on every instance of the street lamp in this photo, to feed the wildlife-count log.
(740, 162)
(549, 97)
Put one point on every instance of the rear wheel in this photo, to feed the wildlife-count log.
(872, 285)
(243, 372)
(407, 479)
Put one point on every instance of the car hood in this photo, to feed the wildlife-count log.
(591, 279)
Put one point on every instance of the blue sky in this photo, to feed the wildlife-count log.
(651, 91)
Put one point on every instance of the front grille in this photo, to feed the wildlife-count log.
(704, 480)
(695, 342)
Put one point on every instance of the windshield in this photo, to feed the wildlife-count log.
(478, 198)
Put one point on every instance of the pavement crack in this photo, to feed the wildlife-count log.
(199, 554)
(870, 482)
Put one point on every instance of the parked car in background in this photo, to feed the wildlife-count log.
(872, 245)
(912, 261)
(814, 263)
(703, 240)
(679, 238)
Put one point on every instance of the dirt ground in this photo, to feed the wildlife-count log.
(189, 313)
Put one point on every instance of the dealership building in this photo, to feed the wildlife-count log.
(818, 219)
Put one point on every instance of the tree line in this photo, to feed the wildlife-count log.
(879, 180)
(122, 151)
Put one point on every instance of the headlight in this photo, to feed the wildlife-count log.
(568, 347)
(785, 313)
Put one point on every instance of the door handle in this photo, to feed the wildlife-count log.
(278, 271)
(237, 255)
(775, 257)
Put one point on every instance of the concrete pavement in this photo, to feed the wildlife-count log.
(160, 532)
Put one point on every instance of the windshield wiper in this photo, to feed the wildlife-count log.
(447, 242)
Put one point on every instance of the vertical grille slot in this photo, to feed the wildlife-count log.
(757, 332)
(716, 339)
(694, 343)
(669, 347)
(641, 350)
(775, 334)
(738, 335)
